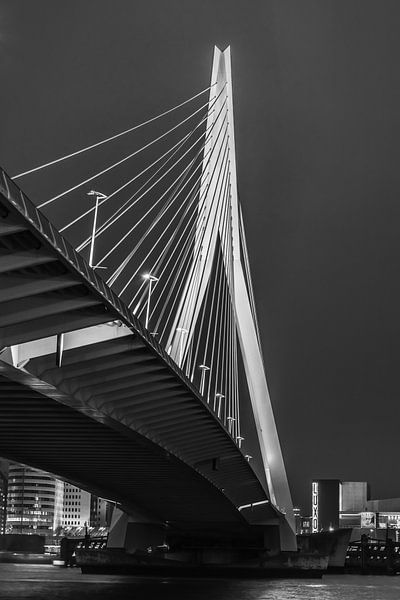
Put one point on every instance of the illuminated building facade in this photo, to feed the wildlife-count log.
(37, 502)
(386, 514)
(325, 504)
(346, 504)
(76, 507)
(305, 526)
(34, 501)
(3, 494)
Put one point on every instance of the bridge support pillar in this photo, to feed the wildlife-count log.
(272, 539)
(134, 532)
(288, 539)
(279, 538)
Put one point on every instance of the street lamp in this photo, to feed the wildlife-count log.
(203, 369)
(220, 397)
(99, 196)
(150, 279)
(230, 420)
(239, 440)
(183, 332)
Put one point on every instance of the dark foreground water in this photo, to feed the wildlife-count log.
(42, 582)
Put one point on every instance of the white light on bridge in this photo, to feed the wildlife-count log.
(220, 397)
(203, 369)
(239, 439)
(230, 420)
(149, 276)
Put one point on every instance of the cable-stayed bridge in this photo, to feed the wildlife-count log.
(137, 372)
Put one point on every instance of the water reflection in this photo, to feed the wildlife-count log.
(43, 581)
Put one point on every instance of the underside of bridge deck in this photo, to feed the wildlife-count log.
(120, 465)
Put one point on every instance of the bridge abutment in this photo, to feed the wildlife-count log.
(134, 532)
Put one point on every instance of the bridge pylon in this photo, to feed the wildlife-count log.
(222, 199)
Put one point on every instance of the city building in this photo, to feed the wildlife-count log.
(100, 512)
(34, 501)
(325, 504)
(305, 526)
(76, 507)
(3, 494)
(386, 513)
(338, 503)
(297, 519)
(354, 496)
(380, 519)
(38, 502)
(347, 504)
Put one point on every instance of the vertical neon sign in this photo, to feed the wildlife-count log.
(315, 523)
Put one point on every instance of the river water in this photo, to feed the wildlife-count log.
(42, 582)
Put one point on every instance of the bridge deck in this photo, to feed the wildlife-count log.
(119, 416)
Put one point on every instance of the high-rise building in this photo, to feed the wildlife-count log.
(39, 503)
(34, 501)
(325, 504)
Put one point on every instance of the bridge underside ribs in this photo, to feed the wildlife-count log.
(115, 461)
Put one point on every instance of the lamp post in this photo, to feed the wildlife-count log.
(219, 396)
(150, 279)
(183, 332)
(239, 439)
(230, 420)
(203, 369)
(99, 196)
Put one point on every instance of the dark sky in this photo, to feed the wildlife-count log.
(317, 101)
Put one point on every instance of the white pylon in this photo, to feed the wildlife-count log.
(209, 225)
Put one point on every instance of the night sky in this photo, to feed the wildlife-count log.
(317, 104)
